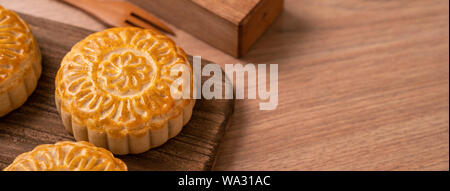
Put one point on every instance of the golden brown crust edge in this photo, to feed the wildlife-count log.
(133, 143)
(67, 156)
(22, 80)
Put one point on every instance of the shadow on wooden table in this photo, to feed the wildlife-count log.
(274, 47)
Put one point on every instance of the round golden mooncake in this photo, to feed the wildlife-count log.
(67, 156)
(20, 61)
(113, 89)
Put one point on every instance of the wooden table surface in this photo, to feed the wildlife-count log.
(363, 85)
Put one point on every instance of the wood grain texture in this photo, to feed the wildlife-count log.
(231, 10)
(364, 85)
(231, 26)
(202, 17)
(37, 121)
(257, 21)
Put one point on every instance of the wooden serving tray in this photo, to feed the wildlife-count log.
(37, 121)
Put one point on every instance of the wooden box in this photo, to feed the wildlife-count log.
(229, 25)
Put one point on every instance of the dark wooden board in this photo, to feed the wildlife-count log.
(37, 121)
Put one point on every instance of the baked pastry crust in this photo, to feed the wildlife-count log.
(20, 61)
(113, 89)
(67, 156)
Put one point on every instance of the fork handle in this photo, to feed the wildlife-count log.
(86, 5)
(93, 7)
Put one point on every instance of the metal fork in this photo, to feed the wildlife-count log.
(120, 13)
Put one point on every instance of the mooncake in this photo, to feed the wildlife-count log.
(115, 89)
(20, 61)
(67, 156)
